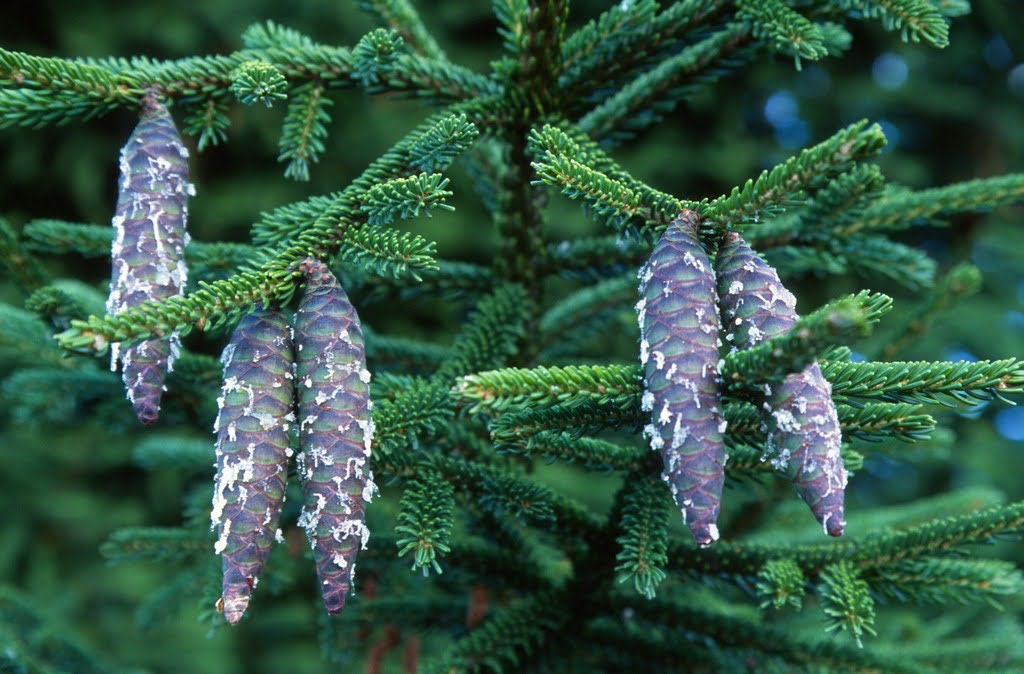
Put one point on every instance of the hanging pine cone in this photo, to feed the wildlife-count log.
(335, 430)
(149, 244)
(678, 314)
(803, 425)
(256, 411)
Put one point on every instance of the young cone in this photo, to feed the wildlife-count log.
(678, 314)
(335, 430)
(147, 254)
(256, 411)
(801, 417)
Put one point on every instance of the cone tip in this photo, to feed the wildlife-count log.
(234, 607)
(147, 412)
(704, 533)
(833, 524)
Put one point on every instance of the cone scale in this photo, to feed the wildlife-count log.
(148, 252)
(804, 431)
(335, 430)
(256, 412)
(679, 325)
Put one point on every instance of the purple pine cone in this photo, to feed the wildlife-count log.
(801, 417)
(678, 313)
(149, 245)
(335, 430)
(256, 411)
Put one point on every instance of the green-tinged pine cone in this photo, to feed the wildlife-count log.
(149, 244)
(805, 433)
(256, 412)
(335, 430)
(678, 314)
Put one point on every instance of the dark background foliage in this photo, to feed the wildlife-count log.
(68, 480)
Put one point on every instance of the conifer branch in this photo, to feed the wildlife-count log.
(874, 256)
(47, 91)
(609, 199)
(655, 93)
(871, 422)
(943, 580)
(26, 339)
(623, 43)
(491, 334)
(498, 389)
(643, 536)
(18, 69)
(902, 208)
(591, 453)
(401, 352)
(503, 641)
(841, 200)
(572, 140)
(304, 130)
(780, 583)
(868, 257)
(166, 543)
(568, 325)
(34, 641)
(39, 91)
(271, 35)
(783, 29)
(188, 453)
(875, 421)
(960, 282)
(63, 301)
(598, 39)
(777, 188)
(589, 415)
(915, 19)
(943, 383)
(846, 600)
(462, 426)
(216, 303)
(781, 356)
(405, 198)
(562, 161)
(20, 264)
(423, 410)
(597, 257)
(402, 17)
(434, 137)
(729, 631)
(499, 491)
(869, 552)
(426, 521)
(206, 261)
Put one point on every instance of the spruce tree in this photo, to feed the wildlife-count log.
(523, 522)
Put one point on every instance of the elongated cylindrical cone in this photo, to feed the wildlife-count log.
(148, 253)
(252, 427)
(804, 429)
(335, 430)
(678, 314)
